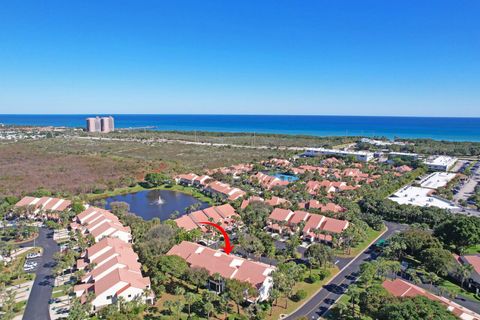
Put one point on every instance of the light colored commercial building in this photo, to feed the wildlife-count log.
(422, 197)
(437, 180)
(440, 163)
(364, 156)
(408, 155)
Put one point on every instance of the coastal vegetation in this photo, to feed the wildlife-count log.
(68, 166)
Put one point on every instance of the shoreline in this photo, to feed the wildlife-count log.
(458, 129)
(138, 188)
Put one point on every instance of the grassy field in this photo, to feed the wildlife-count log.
(458, 290)
(371, 235)
(310, 288)
(73, 166)
(472, 250)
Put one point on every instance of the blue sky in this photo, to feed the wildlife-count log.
(241, 57)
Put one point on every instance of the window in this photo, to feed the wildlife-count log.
(109, 297)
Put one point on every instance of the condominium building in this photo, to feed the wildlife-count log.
(100, 124)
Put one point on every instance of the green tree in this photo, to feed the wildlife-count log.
(190, 298)
(463, 272)
(237, 291)
(460, 231)
(198, 276)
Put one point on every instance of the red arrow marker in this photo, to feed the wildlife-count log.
(228, 248)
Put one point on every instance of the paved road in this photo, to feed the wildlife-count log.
(319, 304)
(37, 305)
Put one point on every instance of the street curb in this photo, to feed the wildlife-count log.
(340, 271)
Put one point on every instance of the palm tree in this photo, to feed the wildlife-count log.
(464, 271)
(395, 267)
(209, 308)
(190, 298)
(432, 278)
(354, 292)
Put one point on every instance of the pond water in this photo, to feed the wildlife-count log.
(286, 177)
(157, 203)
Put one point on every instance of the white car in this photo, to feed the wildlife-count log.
(34, 255)
(30, 265)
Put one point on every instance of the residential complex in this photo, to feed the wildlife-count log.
(228, 266)
(44, 204)
(101, 223)
(267, 181)
(223, 215)
(210, 186)
(112, 268)
(315, 227)
(113, 273)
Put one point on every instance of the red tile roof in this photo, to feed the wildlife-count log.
(474, 260)
(299, 216)
(279, 214)
(402, 288)
(334, 225)
(229, 266)
(186, 223)
(220, 214)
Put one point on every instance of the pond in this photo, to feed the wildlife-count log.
(286, 177)
(161, 204)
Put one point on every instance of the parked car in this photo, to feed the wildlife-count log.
(34, 255)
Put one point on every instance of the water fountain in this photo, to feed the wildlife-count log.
(160, 200)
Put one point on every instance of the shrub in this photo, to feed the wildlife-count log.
(314, 278)
(299, 295)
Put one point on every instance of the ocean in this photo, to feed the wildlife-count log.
(453, 129)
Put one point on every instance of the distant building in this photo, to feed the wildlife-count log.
(100, 124)
(364, 156)
(403, 155)
(440, 163)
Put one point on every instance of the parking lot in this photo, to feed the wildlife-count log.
(32, 261)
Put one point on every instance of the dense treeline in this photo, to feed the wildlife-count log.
(242, 138)
(429, 146)
(392, 211)
(428, 263)
(457, 231)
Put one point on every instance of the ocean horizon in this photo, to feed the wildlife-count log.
(438, 128)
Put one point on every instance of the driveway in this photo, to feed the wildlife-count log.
(37, 305)
(323, 300)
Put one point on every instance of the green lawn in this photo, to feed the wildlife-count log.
(371, 236)
(310, 288)
(473, 249)
(458, 290)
